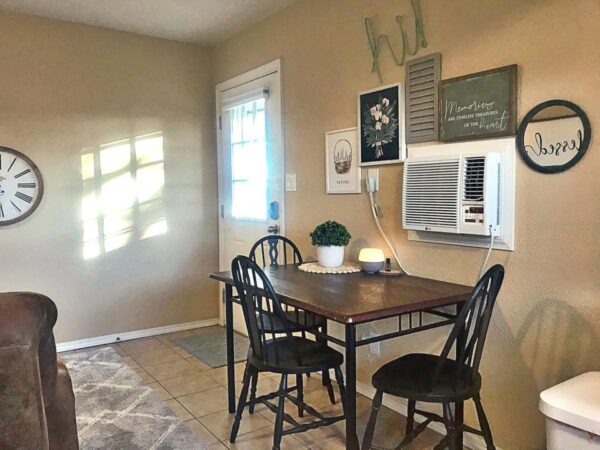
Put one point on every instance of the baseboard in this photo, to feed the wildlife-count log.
(395, 404)
(129, 335)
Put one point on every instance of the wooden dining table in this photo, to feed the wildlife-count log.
(419, 304)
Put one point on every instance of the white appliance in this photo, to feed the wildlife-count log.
(455, 193)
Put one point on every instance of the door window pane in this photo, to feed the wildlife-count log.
(249, 161)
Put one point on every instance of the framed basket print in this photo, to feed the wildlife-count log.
(382, 139)
(342, 174)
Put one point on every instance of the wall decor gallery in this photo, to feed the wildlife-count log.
(554, 136)
(479, 105)
(377, 41)
(341, 162)
(382, 139)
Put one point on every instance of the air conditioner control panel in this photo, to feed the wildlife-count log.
(473, 214)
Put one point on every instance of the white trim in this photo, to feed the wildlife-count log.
(395, 404)
(273, 67)
(129, 335)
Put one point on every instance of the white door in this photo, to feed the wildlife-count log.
(251, 164)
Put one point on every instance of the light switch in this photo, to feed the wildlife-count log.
(290, 182)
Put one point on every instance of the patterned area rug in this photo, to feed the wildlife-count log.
(116, 410)
(211, 348)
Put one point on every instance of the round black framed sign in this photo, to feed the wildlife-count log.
(21, 186)
(554, 136)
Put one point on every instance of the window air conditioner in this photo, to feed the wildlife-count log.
(453, 194)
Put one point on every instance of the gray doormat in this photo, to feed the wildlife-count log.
(116, 410)
(211, 347)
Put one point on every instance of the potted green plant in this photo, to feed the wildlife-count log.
(330, 238)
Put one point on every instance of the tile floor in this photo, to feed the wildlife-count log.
(197, 394)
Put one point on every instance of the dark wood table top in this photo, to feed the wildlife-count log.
(358, 297)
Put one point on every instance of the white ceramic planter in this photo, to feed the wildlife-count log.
(331, 256)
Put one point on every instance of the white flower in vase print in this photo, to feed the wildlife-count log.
(380, 125)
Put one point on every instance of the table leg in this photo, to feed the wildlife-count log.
(351, 436)
(459, 407)
(230, 362)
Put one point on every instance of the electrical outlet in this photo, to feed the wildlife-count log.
(375, 347)
(375, 174)
(290, 182)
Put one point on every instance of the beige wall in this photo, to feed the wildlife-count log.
(65, 88)
(547, 324)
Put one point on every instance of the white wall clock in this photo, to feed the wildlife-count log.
(21, 186)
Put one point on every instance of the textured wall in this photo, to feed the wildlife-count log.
(546, 326)
(65, 88)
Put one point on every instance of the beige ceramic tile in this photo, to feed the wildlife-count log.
(130, 361)
(188, 384)
(170, 369)
(205, 402)
(263, 440)
(219, 374)
(179, 410)
(145, 376)
(153, 357)
(217, 446)
(181, 352)
(117, 348)
(168, 338)
(220, 423)
(160, 391)
(141, 345)
(205, 436)
(197, 363)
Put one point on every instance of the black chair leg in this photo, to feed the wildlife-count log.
(280, 410)
(339, 377)
(368, 437)
(410, 417)
(300, 388)
(254, 378)
(484, 424)
(241, 403)
(329, 386)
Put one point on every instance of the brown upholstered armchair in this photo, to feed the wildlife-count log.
(37, 406)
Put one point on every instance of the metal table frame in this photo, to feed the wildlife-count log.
(415, 323)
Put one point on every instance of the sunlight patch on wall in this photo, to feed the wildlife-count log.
(122, 200)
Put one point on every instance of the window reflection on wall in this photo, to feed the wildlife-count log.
(122, 200)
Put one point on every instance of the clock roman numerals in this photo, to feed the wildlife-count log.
(24, 197)
(20, 174)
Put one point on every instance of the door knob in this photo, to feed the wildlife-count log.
(273, 229)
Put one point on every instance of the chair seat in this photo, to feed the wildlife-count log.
(411, 376)
(295, 355)
(297, 321)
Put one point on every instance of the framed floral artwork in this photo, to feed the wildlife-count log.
(381, 127)
(342, 174)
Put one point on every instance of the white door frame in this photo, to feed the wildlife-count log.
(273, 67)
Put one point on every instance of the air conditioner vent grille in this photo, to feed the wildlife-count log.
(473, 189)
(431, 193)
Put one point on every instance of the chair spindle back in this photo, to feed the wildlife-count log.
(268, 250)
(473, 322)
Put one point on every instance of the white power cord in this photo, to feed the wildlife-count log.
(375, 211)
(487, 256)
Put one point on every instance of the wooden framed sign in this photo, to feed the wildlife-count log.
(480, 105)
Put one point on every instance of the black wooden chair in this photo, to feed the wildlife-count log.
(285, 355)
(269, 251)
(440, 379)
